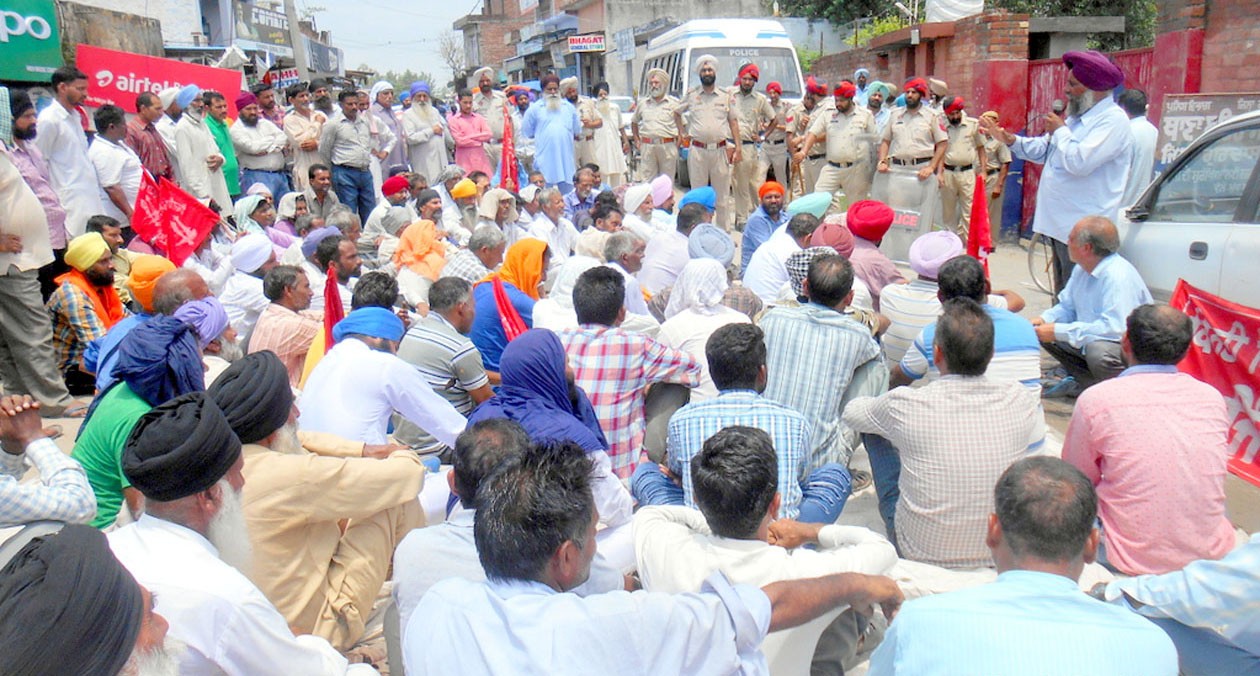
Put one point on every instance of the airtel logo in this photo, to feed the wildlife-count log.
(104, 78)
(16, 25)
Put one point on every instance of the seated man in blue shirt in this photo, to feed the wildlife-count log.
(582, 198)
(763, 222)
(535, 535)
(1083, 330)
(1033, 619)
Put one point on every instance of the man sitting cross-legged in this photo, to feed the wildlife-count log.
(736, 532)
(323, 528)
(737, 363)
(535, 535)
(1033, 619)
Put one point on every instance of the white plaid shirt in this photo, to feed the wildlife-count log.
(63, 493)
(465, 265)
(955, 436)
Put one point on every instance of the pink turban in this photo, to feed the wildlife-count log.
(662, 189)
(1094, 70)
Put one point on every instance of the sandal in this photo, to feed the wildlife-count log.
(53, 432)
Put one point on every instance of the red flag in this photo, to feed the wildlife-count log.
(183, 222)
(146, 210)
(509, 168)
(979, 240)
(334, 311)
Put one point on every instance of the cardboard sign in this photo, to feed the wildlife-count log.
(1186, 116)
(1225, 353)
(118, 77)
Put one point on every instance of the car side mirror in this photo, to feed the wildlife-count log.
(1137, 212)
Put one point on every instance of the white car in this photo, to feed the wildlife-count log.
(1200, 219)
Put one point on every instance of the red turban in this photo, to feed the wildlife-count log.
(869, 219)
(815, 87)
(769, 187)
(918, 84)
(846, 89)
(394, 185)
(750, 69)
(954, 104)
(1094, 70)
(774, 87)
(245, 99)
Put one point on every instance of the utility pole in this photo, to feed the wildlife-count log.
(299, 43)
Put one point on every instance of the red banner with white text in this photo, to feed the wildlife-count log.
(171, 220)
(119, 77)
(1225, 353)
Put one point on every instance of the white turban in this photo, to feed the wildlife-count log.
(167, 96)
(379, 87)
(251, 251)
(706, 58)
(484, 70)
(636, 195)
(568, 82)
(700, 287)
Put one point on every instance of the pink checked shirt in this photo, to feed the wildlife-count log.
(1153, 442)
(615, 367)
(471, 132)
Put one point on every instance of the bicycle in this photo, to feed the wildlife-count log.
(1041, 262)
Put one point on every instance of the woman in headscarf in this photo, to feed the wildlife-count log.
(694, 312)
(537, 393)
(505, 299)
(291, 207)
(254, 213)
(555, 312)
(420, 257)
(610, 146)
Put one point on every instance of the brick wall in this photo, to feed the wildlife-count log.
(1231, 45)
(494, 51)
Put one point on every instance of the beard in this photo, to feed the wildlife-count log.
(24, 134)
(101, 279)
(163, 661)
(708, 80)
(286, 440)
(230, 350)
(913, 105)
(1079, 105)
(553, 102)
(228, 531)
(603, 106)
(772, 211)
(656, 92)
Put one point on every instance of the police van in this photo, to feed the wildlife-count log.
(734, 42)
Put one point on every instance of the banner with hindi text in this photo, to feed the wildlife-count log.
(1225, 353)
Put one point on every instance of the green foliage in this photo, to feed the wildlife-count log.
(807, 57)
(402, 81)
(879, 26)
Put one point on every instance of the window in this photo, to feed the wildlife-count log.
(777, 64)
(1209, 186)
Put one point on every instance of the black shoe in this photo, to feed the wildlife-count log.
(860, 479)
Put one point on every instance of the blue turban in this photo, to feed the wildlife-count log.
(860, 72)
(186, 95)
(314, 237)
(159, 359)
(815, 203)
(900, 101)
(417, 87)
(207, 316)
(705, 197)
(375, 322)
(709, 241)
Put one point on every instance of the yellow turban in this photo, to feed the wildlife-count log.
(84, 250)
(145, 271)
(465, 188)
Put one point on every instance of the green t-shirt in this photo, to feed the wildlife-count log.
(223, 139)
(99, 449)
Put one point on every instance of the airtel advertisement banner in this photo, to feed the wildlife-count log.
(118, 77)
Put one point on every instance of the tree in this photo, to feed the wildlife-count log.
(402, 81)
(451, 48)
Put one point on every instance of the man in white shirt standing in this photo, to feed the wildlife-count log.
(65, 146)
(361, 382)
(1145, 136)
(189, 547)
(260, 146)
(118, 167)
(738, 532)
(535, 535)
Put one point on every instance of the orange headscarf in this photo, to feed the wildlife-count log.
(105, 301)
(420, 250)
(523, 266)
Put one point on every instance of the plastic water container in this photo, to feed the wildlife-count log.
(914, 202)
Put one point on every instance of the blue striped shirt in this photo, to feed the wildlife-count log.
(1016, 351)
(693, 424)
(1026, 622)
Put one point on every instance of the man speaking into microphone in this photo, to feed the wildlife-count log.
(1086, 156)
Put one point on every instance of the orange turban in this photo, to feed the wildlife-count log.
(145, 271)
(769, 187)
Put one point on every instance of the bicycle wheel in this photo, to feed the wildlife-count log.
(1041, 262)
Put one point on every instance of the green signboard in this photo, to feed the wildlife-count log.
(30, 44)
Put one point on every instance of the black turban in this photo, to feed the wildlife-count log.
(19, 102)
(427, 195)
(67, 606)
(254, 395)
(179, 448)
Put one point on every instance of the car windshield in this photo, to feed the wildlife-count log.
(775, 63)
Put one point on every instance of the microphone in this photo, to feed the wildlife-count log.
(1057, 107)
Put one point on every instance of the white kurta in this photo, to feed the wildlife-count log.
(194, 145)
(244, 301)
(229, 625)
(767, 271)
(608, 155)
(64, 144)
(300, 128)
(426, 149)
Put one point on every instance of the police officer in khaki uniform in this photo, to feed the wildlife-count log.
(964, 154)
(774, 153)
(815, 102)
(584, 147)
(997, 157)
(710, 121)
(655, 129)
(489, 103)
(850, 131)
(915, 136)
(755, 115)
